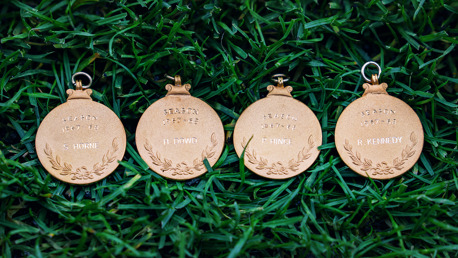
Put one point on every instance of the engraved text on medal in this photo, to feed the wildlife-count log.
(275, 120)
(377, 116)
(183, 115)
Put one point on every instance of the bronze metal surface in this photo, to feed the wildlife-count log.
(80, 141)
(281, 135)
(177, 132)
(379, 136)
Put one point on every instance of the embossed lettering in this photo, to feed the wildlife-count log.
(181, 111)
(69, 128)
(279, 141)
(278, 125)
(389, 121)
(79, 118)
(93, 127)
(384, 140)
(79, 122)
(280, 116)
(72, 128)
(85, 146)
(375, 111)
(177, 115)
(178, 120)
(180, 140)
(279, 120)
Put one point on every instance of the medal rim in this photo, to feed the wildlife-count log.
(218, 152)
(269, 98)
(341, 151)
(122, 148)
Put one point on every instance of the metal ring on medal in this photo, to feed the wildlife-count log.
(176, 134)
(280, 136)
(80, 141)
(379, 136)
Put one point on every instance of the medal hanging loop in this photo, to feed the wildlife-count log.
(81, 91)
(278, 78)
(75, 82)
(177, 89)
(373, 86)
(280, 89)
(372, 78)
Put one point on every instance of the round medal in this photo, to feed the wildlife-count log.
(377, 135)
(80, 141)
(177, 132)
(279, 134)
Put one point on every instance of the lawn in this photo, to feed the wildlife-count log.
(227, 51)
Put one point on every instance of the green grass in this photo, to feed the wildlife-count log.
(228, 50)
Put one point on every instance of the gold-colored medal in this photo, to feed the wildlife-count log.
(378, 136)
(177, 132)
(80, 141)
(279, 134)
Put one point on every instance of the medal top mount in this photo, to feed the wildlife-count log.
(279, 134)
(378, 136)
(178, 132)
(80, 141)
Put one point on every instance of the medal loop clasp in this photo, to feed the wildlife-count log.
(80, 86)
(177, 89)
(373, 76)
(373, 86)
(80, 91)
(280, 89)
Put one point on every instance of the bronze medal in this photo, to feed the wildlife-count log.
(279, 134)
(377, 135)
(177, 132)
(80, 141)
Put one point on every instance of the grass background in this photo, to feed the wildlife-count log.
(228, 50)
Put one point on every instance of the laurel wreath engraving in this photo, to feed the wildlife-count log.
(82, 172)
(278, 168)
(382, 168)
(182, 168)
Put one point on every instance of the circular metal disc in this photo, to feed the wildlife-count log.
(282, 136)
(379, 136)
(80, 141)
(176, 133)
